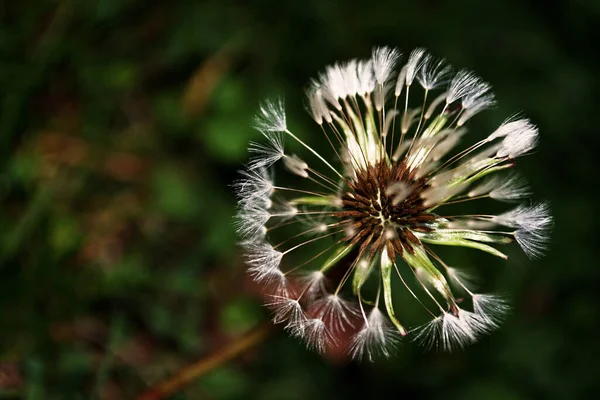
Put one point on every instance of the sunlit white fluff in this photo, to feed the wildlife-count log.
(510, 127)
(533, 243)
(433, 73)
(510, 188)
(519, 142)
(461, 278)
(474, 105)
(263, 261)
(384, 61)
(316, 104)
(490, 308)
(466, 85)
(268, 154)
(315, 333)
(271, 116)
(286, 309)
(313, 284)
(451, 332)
(415, 61)
(250, 222)
(254, 184)
(534, 218)
(338, 313)
(376, 337)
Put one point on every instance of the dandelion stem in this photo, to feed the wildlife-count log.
(192, 372)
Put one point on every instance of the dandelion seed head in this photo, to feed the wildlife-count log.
(372, 211)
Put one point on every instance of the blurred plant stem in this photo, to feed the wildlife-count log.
(196, 370)
(43, 56)
(21, 231)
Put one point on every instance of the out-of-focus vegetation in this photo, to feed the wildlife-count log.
(122, 124)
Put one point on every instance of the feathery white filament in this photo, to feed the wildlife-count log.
(519, 142)
(474, 105)
(263, 261)
(266, 155)
(366, 77)
(467, 87)
(510, 127)
(535, 218)
(461, 278)
(433, 73)
(377, 336)
(415, 61)
(491, 309)
(533, 243)
(255, 184)
(337, 313)
(315, 334)
(286, 309)
(313, 284)
(271, 116)
(384, 60)
(251, 220)
(451, 332)
(400, 81)
(511, 189)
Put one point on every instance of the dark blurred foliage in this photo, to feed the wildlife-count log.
(122, 124)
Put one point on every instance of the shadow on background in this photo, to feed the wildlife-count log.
(122, 125)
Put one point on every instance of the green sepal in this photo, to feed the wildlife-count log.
(315, 201)
(386, 276)
(464, 238)
(483, 168)
(420, 261)
(435, 126)
(361, 274)
(486, 172)
(339, 253)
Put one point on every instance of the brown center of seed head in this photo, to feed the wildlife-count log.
(382, 207)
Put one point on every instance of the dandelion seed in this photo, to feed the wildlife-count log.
(315, 333)
(266, 155)
(433, 73)
(335, 312)
(535, 219)
(349, 225)
(377, 337)
(286, 309)
(271, 117)
(518, 142)
(384, 60)
(491, 309)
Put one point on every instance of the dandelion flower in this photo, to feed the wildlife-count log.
(374, 213)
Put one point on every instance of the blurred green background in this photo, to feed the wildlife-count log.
(122, 125)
